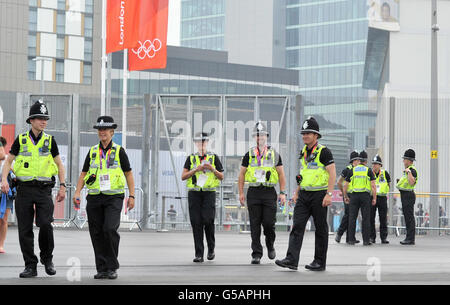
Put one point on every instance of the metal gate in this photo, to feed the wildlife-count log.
(170, 121)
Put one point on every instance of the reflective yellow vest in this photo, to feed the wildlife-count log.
(212, 182)
(360, 180)
(106, 167)
(35, 162)
(403, 184)
(382, 184)
(314, 175)
(257, 174)
(350, 188)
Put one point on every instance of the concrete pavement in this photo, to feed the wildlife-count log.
(166, 258)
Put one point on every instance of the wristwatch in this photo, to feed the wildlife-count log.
(282, 192)
(330, 194)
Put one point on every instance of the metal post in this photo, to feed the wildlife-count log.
(154, 187)
(434, 163)
(391, 156)
(74, 151)
(108, 85)
(146, 138)
(163, 216)
(124, 98)
(103, 70)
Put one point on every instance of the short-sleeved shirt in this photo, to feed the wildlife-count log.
(246, 159)
(124, 161)
(346, 171)
(386, 175)
(326, 157)
(370, 174)
(218, 165)
(15, 148)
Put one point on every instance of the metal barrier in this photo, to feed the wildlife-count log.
(65, 213)
(422, 215)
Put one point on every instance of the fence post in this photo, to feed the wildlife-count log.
(163, 216)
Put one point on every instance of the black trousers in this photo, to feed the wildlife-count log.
(31, 201)
(408, 201)
(359, 201)
(202, 212)
(262, 210)
(343, 227)
(382, 215)
(103, 213)
(309, 204)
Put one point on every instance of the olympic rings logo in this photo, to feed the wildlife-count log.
(148, 48)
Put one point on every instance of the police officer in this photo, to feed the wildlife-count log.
(354, 161)
(313, 196)
(382, 185)
(262, 169)
(37, 161)
(361, 181)
(406, 186)
(104, 172)
(203, 172)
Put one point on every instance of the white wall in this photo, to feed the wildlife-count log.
(72, 70)
(45, 19)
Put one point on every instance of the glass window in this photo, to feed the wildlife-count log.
(87, 73)
(89, 6)
(88, 50)
(88, 26)
(60, 42)
(61, 23)
(32, 25)
(59, 71)
(292, 16)
(32, 2)
(61, 5)
(31, 44)
(31, 69)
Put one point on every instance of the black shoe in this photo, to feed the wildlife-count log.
(198, 259)
(338, 238)
(256, 261)
(407, 242)
(384, 241)
(271, 253)
(367, 243)
(357, 241)
(315, 266)
(285, 263)
(112, 274)
(28, 272)
(211, 255)
(351, 242)
(49, 267)
(101, 275)
(372, 240)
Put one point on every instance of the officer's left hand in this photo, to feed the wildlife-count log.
(374, 201)
(282, 198)
(130, 203)
(326, 201)
(208, 166)
(61, 194)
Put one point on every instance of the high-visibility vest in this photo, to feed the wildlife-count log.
(403, 184)
(267, 165)
(108, 166)
(212, 182)
(360, 180)
(35, 162)
(314, 175)
(382, 184)
(350, 188)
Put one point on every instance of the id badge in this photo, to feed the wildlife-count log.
(105, 183)
(268, 163)
(378, 188)
(260, 175)
(201, 180)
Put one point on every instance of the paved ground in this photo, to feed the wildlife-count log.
(166, 258)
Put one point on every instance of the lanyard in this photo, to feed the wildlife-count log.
(312, 152)
(103, 155)
(32, 140)
(260, 156)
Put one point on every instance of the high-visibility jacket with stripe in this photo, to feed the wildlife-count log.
(382, 184)
(109, 167)
(212, 182)
(258, 174)
(314, 175)
(360, 180)
(35, 162)
(403, 184)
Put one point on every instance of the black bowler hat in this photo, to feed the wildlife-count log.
(354, 155)
(38, 110)
(377, 160)
(105, 122)
(410, 155)
(363, 156)
(310, 126)
(201, 136)
(260, 129)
